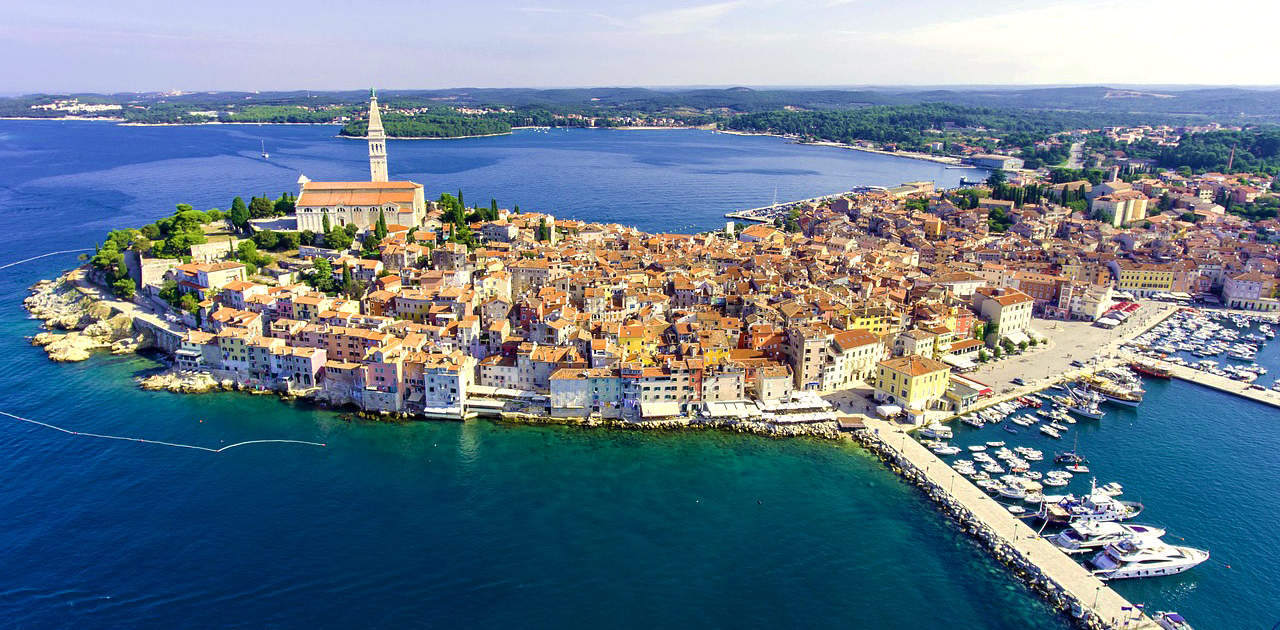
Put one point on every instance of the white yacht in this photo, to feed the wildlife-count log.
(937, 431)
(1045, 429)
(1143, 557)
(1090, 535)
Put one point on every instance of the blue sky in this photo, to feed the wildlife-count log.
(127, 45)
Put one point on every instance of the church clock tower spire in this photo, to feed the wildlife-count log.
(377, 142)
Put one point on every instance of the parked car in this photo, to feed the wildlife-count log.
(1077, 363)
(1019, 381)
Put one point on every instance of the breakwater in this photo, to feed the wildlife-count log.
(1065, 585)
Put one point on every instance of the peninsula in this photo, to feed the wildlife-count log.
(907, 303)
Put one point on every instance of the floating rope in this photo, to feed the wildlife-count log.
(63, 251)
(157, 442)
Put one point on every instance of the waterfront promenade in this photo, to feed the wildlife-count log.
(1030, 552)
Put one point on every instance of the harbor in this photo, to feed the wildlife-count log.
(779, 210)
(1038, 563)
(1004, 501)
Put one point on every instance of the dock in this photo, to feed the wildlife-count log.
(1213, 381)
(1062, 582)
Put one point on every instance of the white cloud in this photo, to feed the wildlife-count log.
(685, 20)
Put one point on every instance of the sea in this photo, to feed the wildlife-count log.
(491, 526)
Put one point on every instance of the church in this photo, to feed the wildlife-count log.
(359, 203)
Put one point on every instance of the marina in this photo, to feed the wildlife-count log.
(1066, 584)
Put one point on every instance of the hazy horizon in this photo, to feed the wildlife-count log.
(146, 46)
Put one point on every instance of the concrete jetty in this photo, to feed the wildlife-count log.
(1213, 381)
(1055, 576)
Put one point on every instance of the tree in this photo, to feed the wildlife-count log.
(322, 275)
(380, 228)
(543, 232)
(324, 223)
(1189, 217)
(347, 280)
(493, 209)
(260, 207)
(996, 178)
(338, 239)
(266, 239)
(239, 214)
(123, 288)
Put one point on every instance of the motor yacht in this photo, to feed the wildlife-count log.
(1143, 557)
(1086, 536)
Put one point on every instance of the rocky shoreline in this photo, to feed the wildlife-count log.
(78, 323)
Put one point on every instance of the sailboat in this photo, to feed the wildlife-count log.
(264, 149)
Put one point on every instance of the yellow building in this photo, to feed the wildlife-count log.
(877, 320)
(1144, 278)
(912, 382)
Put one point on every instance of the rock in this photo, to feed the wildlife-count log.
(72, 346)
(180, 382)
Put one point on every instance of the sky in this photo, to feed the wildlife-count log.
(140, 45)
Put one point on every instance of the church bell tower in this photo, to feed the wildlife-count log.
(377, 142)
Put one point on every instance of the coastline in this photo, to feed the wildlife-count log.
(1025, 563)
(947, 160)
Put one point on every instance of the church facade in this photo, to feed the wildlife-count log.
(360, 203)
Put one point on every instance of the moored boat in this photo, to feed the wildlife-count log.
(1150, 369)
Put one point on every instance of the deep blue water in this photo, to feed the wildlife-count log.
(435, 524)
(1206, 466)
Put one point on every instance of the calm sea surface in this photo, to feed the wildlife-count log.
(442, 525)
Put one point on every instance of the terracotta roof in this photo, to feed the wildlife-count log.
(356, 193)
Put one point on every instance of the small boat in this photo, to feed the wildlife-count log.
(1150, 369)
(1113, 489)
(264, 149)
(1016, 510)
(1011, 491)
(995, 444)
(977, 448)
(937, 430)
(1077, 468)
(1009, 429)
(1050, 432)
(1057, 427)
(1034, 497)
(1054, 481)
(1171, 621)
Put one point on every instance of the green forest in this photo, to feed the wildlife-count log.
(434, 124)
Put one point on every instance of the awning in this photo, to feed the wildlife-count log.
(959, 363)
(659, 409)
(884, 411)
(1017, 337)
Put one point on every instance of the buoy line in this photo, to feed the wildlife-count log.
(158, 442)
(45, 255)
